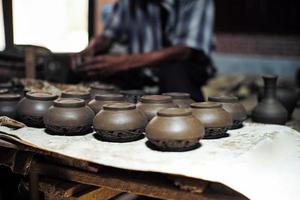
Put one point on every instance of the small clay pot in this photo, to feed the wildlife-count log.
(181, 100)
(102, 89)
(151, 104)
(4, 91)
(236, 110)
(32, 108)
(119, 122)
(84, 95)
(102, 99)
(270, 110)
(69, 117)
(214, 118)
(174, 129)
(133, 96)
(8, 105)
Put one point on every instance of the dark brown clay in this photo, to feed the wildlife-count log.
(8, 105)
(236, 110)
(151, 104)
(174, 129)
(69, 117)
(181, 100)
(214, 118)
(32, 108)
(119, 122)
(98, 88)
(133, 96)
(270, 110)
(102, 99)
(84, 95)
(288, 98)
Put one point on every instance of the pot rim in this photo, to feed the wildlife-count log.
(204, 105)
(10, 97)
(119, 106)
(76, 94)
(174, 112)
(178, 95)
(41, 95)
(110, 97)
(223, 98)
(69, 103)
(99, 86)
(156, 99)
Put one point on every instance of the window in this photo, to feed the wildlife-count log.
(59, 25)
(2, 35)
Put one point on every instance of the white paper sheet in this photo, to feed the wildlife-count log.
(260, 161)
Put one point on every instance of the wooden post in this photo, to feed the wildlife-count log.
(30, 70)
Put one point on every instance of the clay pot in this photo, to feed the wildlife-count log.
(270, 110)
(133, 96)
(4, 91)
(8, 105)
(236, 110)
(174, 129)
(32, 108)
(69, 117)
(214, 118)
(151, 104)
(181, 100)
(119, 122)
(102, 99)
(86, 96)
(102, 89)
(288, 98)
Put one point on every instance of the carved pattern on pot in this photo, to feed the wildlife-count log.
(120, 136)
(175, 145)
(63, 130)
(215, 132)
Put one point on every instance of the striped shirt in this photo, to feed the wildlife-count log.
(149, 25)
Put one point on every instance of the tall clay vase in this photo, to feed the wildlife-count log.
(270, 110)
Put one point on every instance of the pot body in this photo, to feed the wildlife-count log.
(101, 89)
(215, 117)
(119, 122)
(231, 105)
(112, 120)
(8, 106)
(69, 121)
(288, 98)
(31, 111)
(96, 105)
(270, 110)
(174, 129)
(181, 100)
(86, 96)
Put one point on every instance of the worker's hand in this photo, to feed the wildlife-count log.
(98, 45)
(109, 64)
(88, 53)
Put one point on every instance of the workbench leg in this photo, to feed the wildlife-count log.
(33, 186)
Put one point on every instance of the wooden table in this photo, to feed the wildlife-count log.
(47, 168)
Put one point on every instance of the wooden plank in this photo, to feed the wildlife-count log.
(30, 70)
(97, 194)
(147, 184)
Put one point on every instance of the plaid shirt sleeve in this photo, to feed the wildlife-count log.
(194, 26)
(115, 28)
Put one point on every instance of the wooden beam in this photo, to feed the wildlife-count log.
(150, 184)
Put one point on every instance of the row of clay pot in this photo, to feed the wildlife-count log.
(172, 126)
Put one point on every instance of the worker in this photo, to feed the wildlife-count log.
(173, 37)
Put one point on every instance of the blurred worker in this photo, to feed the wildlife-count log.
(172, 36)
